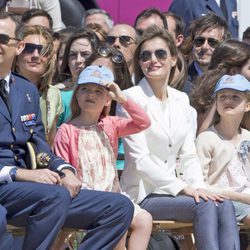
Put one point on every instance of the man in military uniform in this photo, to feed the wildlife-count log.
(38, 198)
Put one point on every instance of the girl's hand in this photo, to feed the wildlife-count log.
(115, 92)
(202, 193)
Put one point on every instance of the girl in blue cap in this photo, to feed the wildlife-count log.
(224, 148)
(89, 141)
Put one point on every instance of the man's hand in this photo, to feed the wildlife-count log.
(38, 175)
(71, 182)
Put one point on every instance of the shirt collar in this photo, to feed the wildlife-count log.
(198, 68)
(7, 85)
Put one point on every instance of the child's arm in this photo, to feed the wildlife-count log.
(116, 93)
(138, 120)
(235, 196)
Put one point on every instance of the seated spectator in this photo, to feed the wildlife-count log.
(100, 17)
(60, 39)
(149, 17)
(175, 27)
(36, 63)
(224, 148)
(150, 177)
(123, 38)
(78, 48)
(37, 17)
(206, 34)
(39, 199)
(91, 125)
(230, 57)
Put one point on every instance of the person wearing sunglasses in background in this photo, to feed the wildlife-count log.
(150, 177)
(36, 63)
(206, 33)
(123, 38)
(39, 199)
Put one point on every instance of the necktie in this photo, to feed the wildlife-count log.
(4, 93)
(223, 8)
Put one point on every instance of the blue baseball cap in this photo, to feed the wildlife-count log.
(234, 82)
(95, 74)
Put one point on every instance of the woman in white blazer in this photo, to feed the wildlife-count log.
(151, 175)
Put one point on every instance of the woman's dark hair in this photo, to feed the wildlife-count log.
(90, 36)
(228, 58)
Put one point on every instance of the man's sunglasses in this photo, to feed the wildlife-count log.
(116, 56)
(200, 40)
(125, 41)
(160, 54)
(4, 39)
(31, 47)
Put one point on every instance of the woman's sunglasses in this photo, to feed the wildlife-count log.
(160, 54)
(4, 39)
(31, 47)
(116, 56)
(125, 41)
(200, 40)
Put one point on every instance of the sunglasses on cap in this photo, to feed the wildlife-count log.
(31, 47)
(116, 56)
(160, 54)
(200, 40)
(4, 39)
(125, 41)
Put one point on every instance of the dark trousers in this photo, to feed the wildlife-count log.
(215, 226)
(44, 209)
(2, 220)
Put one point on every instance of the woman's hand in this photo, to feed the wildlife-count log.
(115, 92)
(202, 193)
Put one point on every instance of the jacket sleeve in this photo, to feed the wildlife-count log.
(152, 169)
(205, 154)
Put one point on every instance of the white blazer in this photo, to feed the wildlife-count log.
(150, 156)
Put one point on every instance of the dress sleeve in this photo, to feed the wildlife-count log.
(62, 143)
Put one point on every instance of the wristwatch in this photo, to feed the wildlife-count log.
(13, 173)
(69, 168)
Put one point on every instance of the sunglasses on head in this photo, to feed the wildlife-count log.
(124, 40)
(160, 54)
(4, 39)
(116, 56)
(31, 47)
(200, 40)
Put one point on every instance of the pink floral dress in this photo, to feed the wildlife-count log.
(97, 160)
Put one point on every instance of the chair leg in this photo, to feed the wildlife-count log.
(187, 243)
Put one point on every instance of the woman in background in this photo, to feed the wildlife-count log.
(36, 63)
